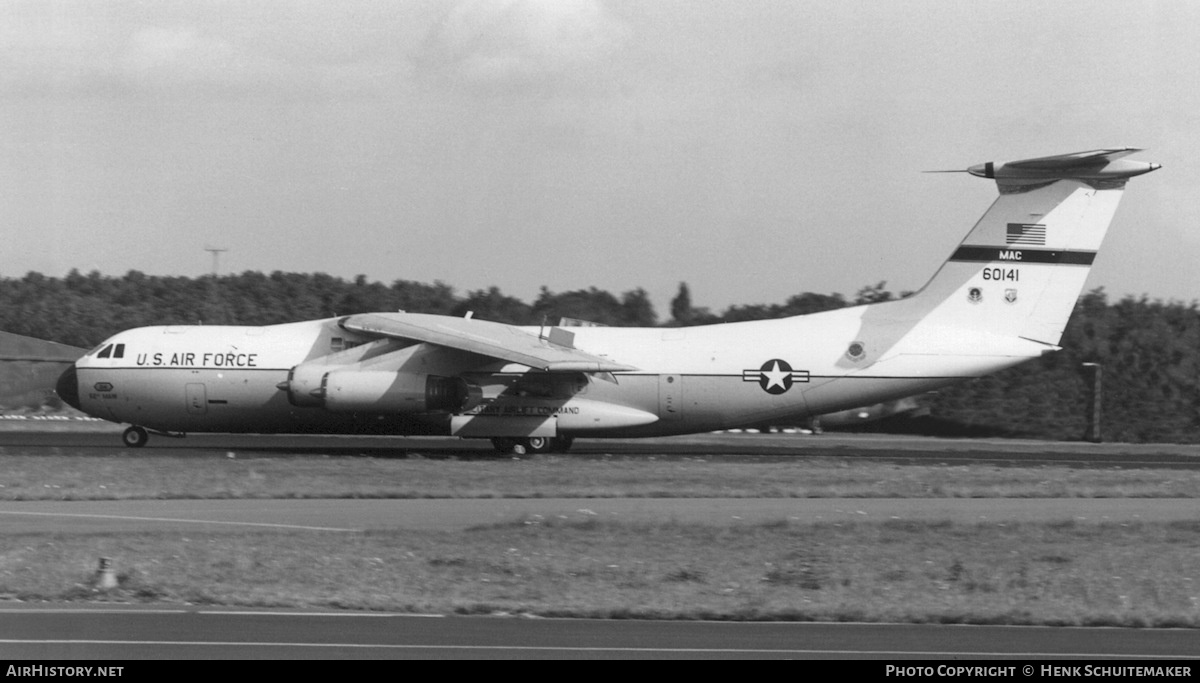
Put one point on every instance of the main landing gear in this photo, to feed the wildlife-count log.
(135, 437)
(533, 445)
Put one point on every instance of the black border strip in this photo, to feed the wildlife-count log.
(1016, 255)
(811, 377)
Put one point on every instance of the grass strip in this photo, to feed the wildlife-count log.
(1067, 573)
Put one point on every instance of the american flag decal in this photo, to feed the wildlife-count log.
(1026, 233)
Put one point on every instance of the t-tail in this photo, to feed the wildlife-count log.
(1020, 270)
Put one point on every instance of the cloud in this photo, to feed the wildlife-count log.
(515, 43)
(67, 56)
(47, 51)
(55, 49)
(168, 57)
(186, 59)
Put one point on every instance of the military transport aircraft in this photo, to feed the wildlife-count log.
(1002, 298)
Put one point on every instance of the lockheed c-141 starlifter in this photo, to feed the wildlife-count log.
(1003, 297)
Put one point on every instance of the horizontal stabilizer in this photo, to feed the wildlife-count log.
(1096, 157)
(1095, 166)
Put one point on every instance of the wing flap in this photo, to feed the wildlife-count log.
(496, 340)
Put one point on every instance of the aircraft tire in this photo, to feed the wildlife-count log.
(562, 444)
(534, 445)
(135, 437)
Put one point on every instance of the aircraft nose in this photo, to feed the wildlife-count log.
(67, 387)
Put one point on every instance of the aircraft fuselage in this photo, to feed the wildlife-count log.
(228, 379)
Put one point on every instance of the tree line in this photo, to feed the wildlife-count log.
(1149, 349)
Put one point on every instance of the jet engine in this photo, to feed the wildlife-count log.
(303, 385)
(384, 392)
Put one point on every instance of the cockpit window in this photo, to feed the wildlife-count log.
(108, 350)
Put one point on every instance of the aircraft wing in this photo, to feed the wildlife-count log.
(497, 340)
(29, 369)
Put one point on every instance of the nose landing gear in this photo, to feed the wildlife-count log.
(135, 437)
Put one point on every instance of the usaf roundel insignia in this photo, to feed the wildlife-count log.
(775, 376)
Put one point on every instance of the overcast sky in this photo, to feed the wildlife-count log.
(754, 149)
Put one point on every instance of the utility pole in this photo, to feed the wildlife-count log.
(215, 309)
(216, 254)
(1093, 428)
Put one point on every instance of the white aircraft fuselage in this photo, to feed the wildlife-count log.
(1002, 297)
(226, 379)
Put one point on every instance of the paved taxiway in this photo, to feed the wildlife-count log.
(352, 515)
(447, 514)
(57, 632)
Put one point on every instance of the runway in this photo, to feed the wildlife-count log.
(130, 632)
(98, 439)
(354, 515)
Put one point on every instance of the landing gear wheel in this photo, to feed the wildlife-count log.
(135, 437)
(562, 444)
(535, 445)
(532, 445)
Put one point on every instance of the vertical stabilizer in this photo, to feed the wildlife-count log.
(1022, 267)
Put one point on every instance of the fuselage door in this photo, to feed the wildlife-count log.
(197, 398)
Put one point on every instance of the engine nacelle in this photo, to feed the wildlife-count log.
(303, 385)
(383, 392)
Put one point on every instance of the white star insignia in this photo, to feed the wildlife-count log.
(775, 377)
